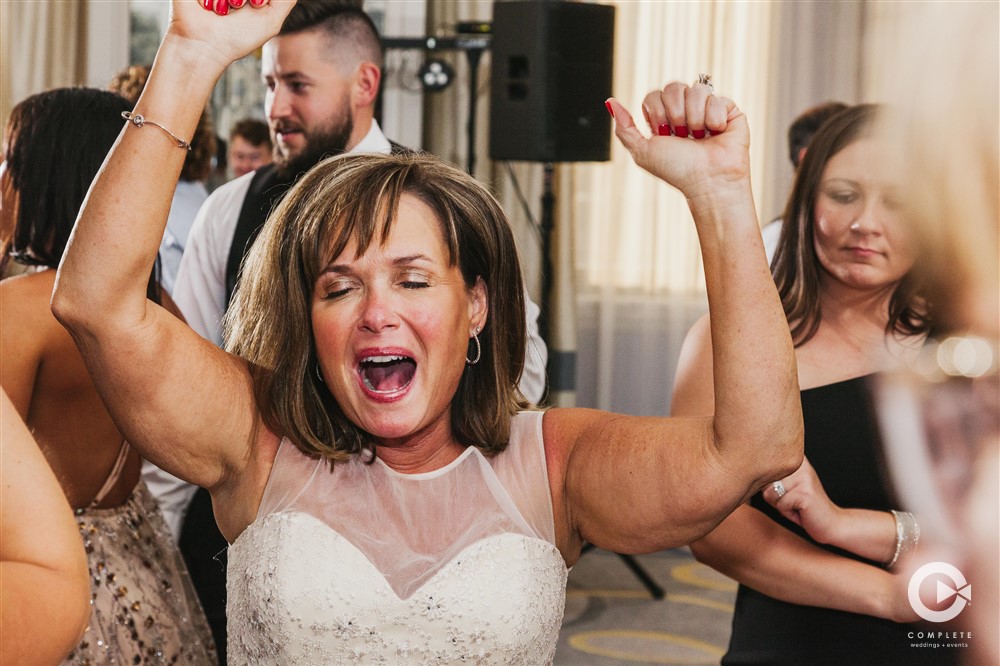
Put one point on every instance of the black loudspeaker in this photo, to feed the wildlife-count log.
(551, 72)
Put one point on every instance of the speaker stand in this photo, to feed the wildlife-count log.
(546, 329)
(546, 225)
(647, 581)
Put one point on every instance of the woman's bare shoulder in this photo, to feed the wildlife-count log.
(24, 301)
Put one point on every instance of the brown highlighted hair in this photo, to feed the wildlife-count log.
(796, 268)
(356, 196)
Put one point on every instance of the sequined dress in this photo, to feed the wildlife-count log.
(362, 564)
(143, 607)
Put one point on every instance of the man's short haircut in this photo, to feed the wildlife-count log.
(801, 131)
(348, 29)
(253, 131)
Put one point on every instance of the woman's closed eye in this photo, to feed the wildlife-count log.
(336, 289)
(414, 280)
(843, 196)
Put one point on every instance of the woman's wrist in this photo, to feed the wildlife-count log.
(179, 85)
(838, 528)
(200, 60)
(721, 200)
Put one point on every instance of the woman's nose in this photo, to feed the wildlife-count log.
(377, 312)
(869, 220)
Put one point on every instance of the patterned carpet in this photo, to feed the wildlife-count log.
(611, 618)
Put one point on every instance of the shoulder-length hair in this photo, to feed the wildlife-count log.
(54, 144)
(356, 196)
(796, 267)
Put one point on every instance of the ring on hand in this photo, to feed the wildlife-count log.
(706, 79)
(779, 489)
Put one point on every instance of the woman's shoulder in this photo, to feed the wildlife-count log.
(32, 282)
(24, 300)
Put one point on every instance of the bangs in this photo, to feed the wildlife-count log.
(361, 203)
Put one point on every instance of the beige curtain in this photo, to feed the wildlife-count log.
(42, 46)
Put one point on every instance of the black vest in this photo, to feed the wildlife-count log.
(266, 190)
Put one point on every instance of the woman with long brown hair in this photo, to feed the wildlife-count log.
(814, 552)
(141, 599)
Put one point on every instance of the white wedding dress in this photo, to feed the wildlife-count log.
(362, 564)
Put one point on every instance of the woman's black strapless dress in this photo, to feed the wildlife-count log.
(843, 445)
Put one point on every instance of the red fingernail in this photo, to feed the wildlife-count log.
(208, 4)
(610, 110)
(681, 131)
(698, 134)
(237, 3)
(711, 133)
(663, 130)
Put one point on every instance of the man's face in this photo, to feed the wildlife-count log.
(308, 101)
(245, 157)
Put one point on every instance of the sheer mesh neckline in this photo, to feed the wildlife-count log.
(434, 473)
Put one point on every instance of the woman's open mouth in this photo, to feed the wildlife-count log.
(387, 375)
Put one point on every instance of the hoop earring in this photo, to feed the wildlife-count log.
(479, 350)
(319, 374)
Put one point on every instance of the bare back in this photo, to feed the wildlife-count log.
(46, 378)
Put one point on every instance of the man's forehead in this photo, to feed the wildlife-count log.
(299, 52)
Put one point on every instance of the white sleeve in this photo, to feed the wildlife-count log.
(200, 290)
(532, 383)
(771, 233)
(171, 494)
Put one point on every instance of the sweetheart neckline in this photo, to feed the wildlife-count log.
(437, 570)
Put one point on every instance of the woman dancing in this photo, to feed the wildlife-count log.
(368, 456)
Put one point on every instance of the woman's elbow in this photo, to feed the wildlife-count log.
(67, 308)
(82, 310)
(791, 454)
(784, 455)
(780, 448)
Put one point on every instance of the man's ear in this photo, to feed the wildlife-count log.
(479, 304)
(366, 83)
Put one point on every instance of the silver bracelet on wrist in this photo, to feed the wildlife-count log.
(138, 120)
(907, 535)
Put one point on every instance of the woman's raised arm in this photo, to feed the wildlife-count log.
(182, 402)
(642, 484)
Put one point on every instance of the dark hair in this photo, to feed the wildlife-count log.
(796, 267)
(806, 124)
(129, 83)
(356, 196)
(253, 130)
(349, 30)
(54, 144)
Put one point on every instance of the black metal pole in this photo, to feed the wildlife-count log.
(473, 56)
(547, 224)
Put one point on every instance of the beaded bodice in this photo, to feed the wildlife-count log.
(143, 607)
(363, 564)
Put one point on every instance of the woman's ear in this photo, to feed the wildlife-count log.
(478, 305)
